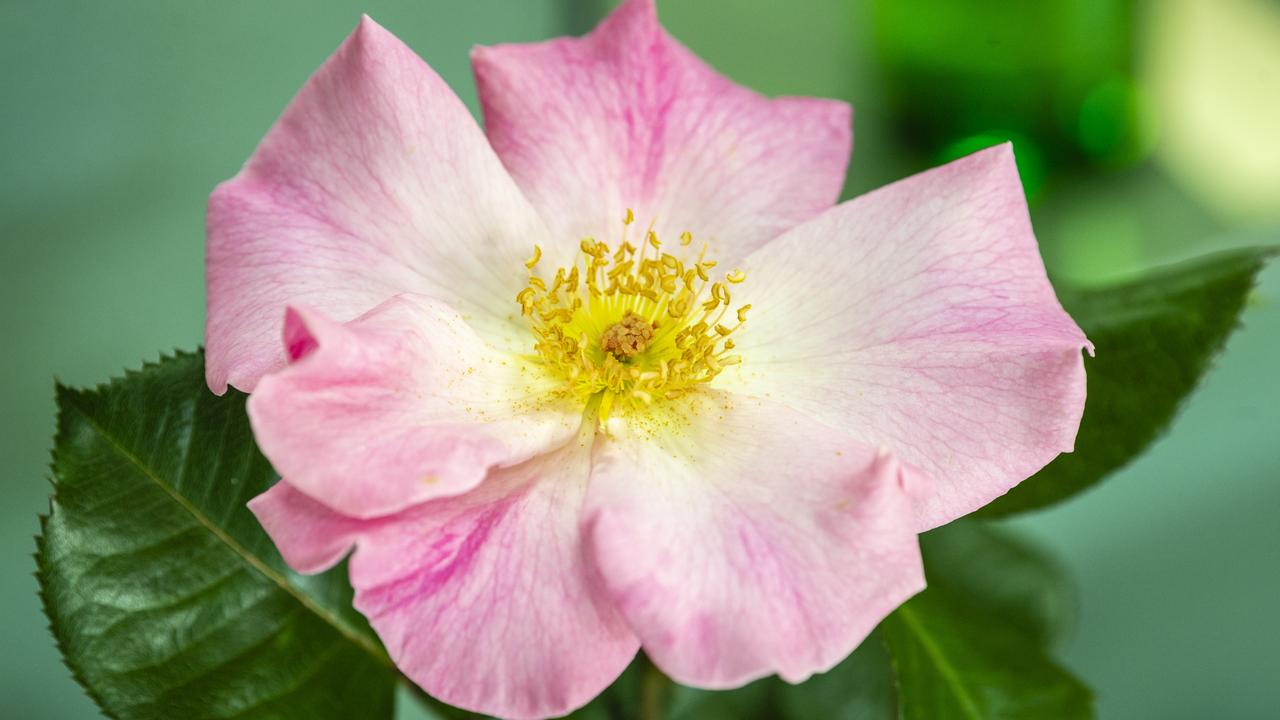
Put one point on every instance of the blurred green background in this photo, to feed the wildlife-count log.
(1146, 131)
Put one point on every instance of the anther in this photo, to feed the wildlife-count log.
(537, 255)
(627, 337)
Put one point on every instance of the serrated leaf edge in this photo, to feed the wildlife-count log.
(68, 397)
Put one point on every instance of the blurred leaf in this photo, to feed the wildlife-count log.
(860, 688)
(165, 597)
(1003, 574)
(756, 701)
(621, 700)
(973, 645)
(954, 659)
(644, 692)
(1155, 338)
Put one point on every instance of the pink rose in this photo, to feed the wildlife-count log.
(547, 459)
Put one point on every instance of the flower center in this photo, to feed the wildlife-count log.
(627, 337)
(632, 326)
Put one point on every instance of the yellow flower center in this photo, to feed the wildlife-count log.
(632, 326)
(629, 336)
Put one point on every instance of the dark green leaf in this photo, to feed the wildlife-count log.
(991, 568)
(862, 687)
(756, 701)
(973, 645)
(622, 699)
(166, 598)
(955, 660)
(643, 692)
(1155, 338)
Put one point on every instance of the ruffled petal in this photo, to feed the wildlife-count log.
(626, 117)
(400, 406)
(375, 181)
(310, 537)
(484, 600)
(919, 317)
(739, 538)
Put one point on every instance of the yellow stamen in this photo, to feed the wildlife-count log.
(537, 255)
(628, 328)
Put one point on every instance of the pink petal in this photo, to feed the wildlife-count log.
(483, 600)
(749, 540)
(919, 317)
(375, 181)
(627, 117)
(402, 405)
(311, 537)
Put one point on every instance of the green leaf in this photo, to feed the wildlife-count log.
(1155, 338)
(863, 687)
(166, 598)
(643, 692)
(860, 688)
(993, 568)
(954, 660)
(973, 645)
(756, 701)
(623, 699)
